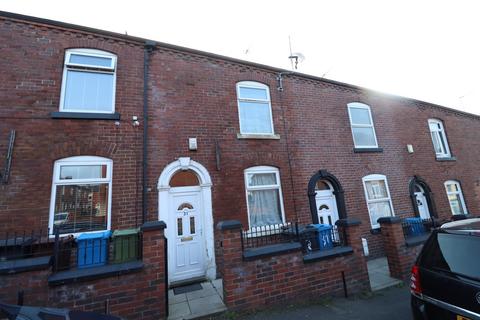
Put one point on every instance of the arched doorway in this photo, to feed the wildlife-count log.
(325, 195)
(185, 204)
(422, 198)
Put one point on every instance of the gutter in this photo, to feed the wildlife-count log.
(149, 47)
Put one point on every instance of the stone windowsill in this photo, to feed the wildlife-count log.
(327, 254)
(271, 250)
(416, 240)
(78, 275)
(367, 150)
(85, 115)
(258, 136)
(446, 159)
(24, 265)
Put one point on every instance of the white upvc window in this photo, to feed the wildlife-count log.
(378, 198)
(88, 83)
(361, 122)
(264, 197)
(81, 195)
(455, 197)
(254, 108)
(439, 138)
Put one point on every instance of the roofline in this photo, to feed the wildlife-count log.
(145, 41)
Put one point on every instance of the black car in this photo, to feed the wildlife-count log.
(445, 281)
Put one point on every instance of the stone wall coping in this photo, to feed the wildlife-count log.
(77, 275)
(229, 225)
(389, 220)
(271, 250)
(153, 225)
(348, 222)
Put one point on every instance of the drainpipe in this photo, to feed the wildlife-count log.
(149, 47)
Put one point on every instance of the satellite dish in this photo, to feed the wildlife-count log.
(296, 58)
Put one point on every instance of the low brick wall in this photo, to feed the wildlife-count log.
(400, 256)
(138, 295)
(286, 277)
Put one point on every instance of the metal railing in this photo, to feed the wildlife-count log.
(269, 235)
(311, 238)
(25, 244)
(413, 227)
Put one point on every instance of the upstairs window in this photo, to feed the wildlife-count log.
(264, 196)
(378, 198)
(81, 195)
(455, 197)
(361, 122)
(254, 108)
(439, 139)
(88, 83)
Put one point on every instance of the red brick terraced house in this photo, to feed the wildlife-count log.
(226, 159)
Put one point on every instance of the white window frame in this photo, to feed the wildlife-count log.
(76, 161)
(255, 85)
(88, 68)
(440, 135)
(376, 177)
(278, 186)
(359, 105)
(459, 192)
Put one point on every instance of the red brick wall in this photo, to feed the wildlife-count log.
(400, 257)
(139, 295)
(285, 277)
(194, 96)
(30, 85)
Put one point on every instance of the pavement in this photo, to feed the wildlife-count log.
(392, 303)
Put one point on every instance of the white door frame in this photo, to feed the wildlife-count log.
(164, 190)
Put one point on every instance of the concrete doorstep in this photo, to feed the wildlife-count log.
(196, 304)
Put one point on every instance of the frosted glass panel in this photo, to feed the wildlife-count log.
(253, 93)
(255, 118)
(456, 203)
(88, 91)
(360, 116)
(91, 61)
(376, 190)
(364, 137)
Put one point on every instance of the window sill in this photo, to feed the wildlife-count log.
(85, 115)
(258, 136)
(270, 250)
(446, 159)
(327, 254)
(367, 150)
(78, 275)
(24, 265)
(416, 240)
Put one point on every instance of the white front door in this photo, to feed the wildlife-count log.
(422, 205)
(186, 236)
(326, 207)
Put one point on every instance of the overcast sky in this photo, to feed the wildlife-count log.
(428, 50)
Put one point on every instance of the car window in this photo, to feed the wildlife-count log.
(453, 253)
